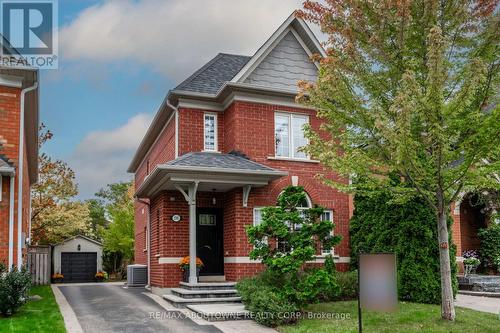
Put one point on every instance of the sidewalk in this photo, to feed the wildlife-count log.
(484, 304)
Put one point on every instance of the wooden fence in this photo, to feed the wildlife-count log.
(39, 264)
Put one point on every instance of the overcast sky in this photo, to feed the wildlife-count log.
(118, 59)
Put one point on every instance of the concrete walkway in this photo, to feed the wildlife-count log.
(109, 308)
(484, 304)
(231, 326)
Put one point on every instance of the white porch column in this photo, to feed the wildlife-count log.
(190, 197)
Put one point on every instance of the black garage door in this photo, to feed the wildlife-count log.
(79, 266)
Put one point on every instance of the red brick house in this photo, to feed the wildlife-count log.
(224, 144)
(18, 159)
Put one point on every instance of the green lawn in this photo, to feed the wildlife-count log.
(36, 316)
(411, 317)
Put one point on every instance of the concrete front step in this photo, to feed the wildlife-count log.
(221, 312)
(208, 285)
(180, 302)
(480, 283)
(479, 293)
(204, 293)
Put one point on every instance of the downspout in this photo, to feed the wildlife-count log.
(148, 240)
(11, 220)
(176, 110)
(20, 176)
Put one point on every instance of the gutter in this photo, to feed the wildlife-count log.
(148, 239)
(11, 173)
(11, 221)
(20, 175)
(176, 110)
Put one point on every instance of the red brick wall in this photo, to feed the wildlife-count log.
(249, 128)
(191, 128)
(162, 151)
(4, 220)
(9, 148)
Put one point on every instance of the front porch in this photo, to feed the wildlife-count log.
(199, 206)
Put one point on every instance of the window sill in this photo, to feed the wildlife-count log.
(158, 255)
(323, 256)
(291, 159)
(211, 151)
(145, 250)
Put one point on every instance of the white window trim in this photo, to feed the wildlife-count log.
(291, 149)
(1, 188)
(256, 208)
(332, 250)
(216, 143)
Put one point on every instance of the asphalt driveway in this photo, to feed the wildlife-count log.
(110, 308)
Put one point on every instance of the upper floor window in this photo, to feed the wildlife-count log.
(289, 134)
(210, 132)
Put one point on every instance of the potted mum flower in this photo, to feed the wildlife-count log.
(471, 261)
(57, 277)
(100, 276)
(184, 265)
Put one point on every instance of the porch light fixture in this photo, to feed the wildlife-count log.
(214, 200)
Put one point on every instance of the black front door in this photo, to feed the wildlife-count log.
(209, 243)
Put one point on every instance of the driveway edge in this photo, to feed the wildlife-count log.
(70, 321)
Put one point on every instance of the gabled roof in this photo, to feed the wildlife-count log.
(79, 236)
(227, 73)
(227, 70)
(212, 76)
(292, 23)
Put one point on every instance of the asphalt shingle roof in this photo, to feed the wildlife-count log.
(217, 160)
(212, 76)
(4, 162)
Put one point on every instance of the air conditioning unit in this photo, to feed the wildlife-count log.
(137, 275)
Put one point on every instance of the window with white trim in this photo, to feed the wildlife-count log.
(289, 134)
(327, 216)
(257, 218)
(301, 207)
(210, 131)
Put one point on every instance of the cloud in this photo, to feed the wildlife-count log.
(102, 157)
(174, 37)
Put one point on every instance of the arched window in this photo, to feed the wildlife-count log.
(304, 204)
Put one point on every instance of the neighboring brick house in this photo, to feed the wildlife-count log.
(18, 159)
(224, 144)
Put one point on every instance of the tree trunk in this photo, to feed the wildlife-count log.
(447, 307)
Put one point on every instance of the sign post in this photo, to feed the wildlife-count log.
(377, 281)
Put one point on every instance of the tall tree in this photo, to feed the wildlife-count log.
(118, 235)
(97, 215)
(55, 213)
(409, 87)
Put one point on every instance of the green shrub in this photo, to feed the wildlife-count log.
(348, 284)
(490, 245)
(267, 305)
(297, 231)
(310, 286)
(14, 288)
(409, 230)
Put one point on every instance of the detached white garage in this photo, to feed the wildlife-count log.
(78, 259)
